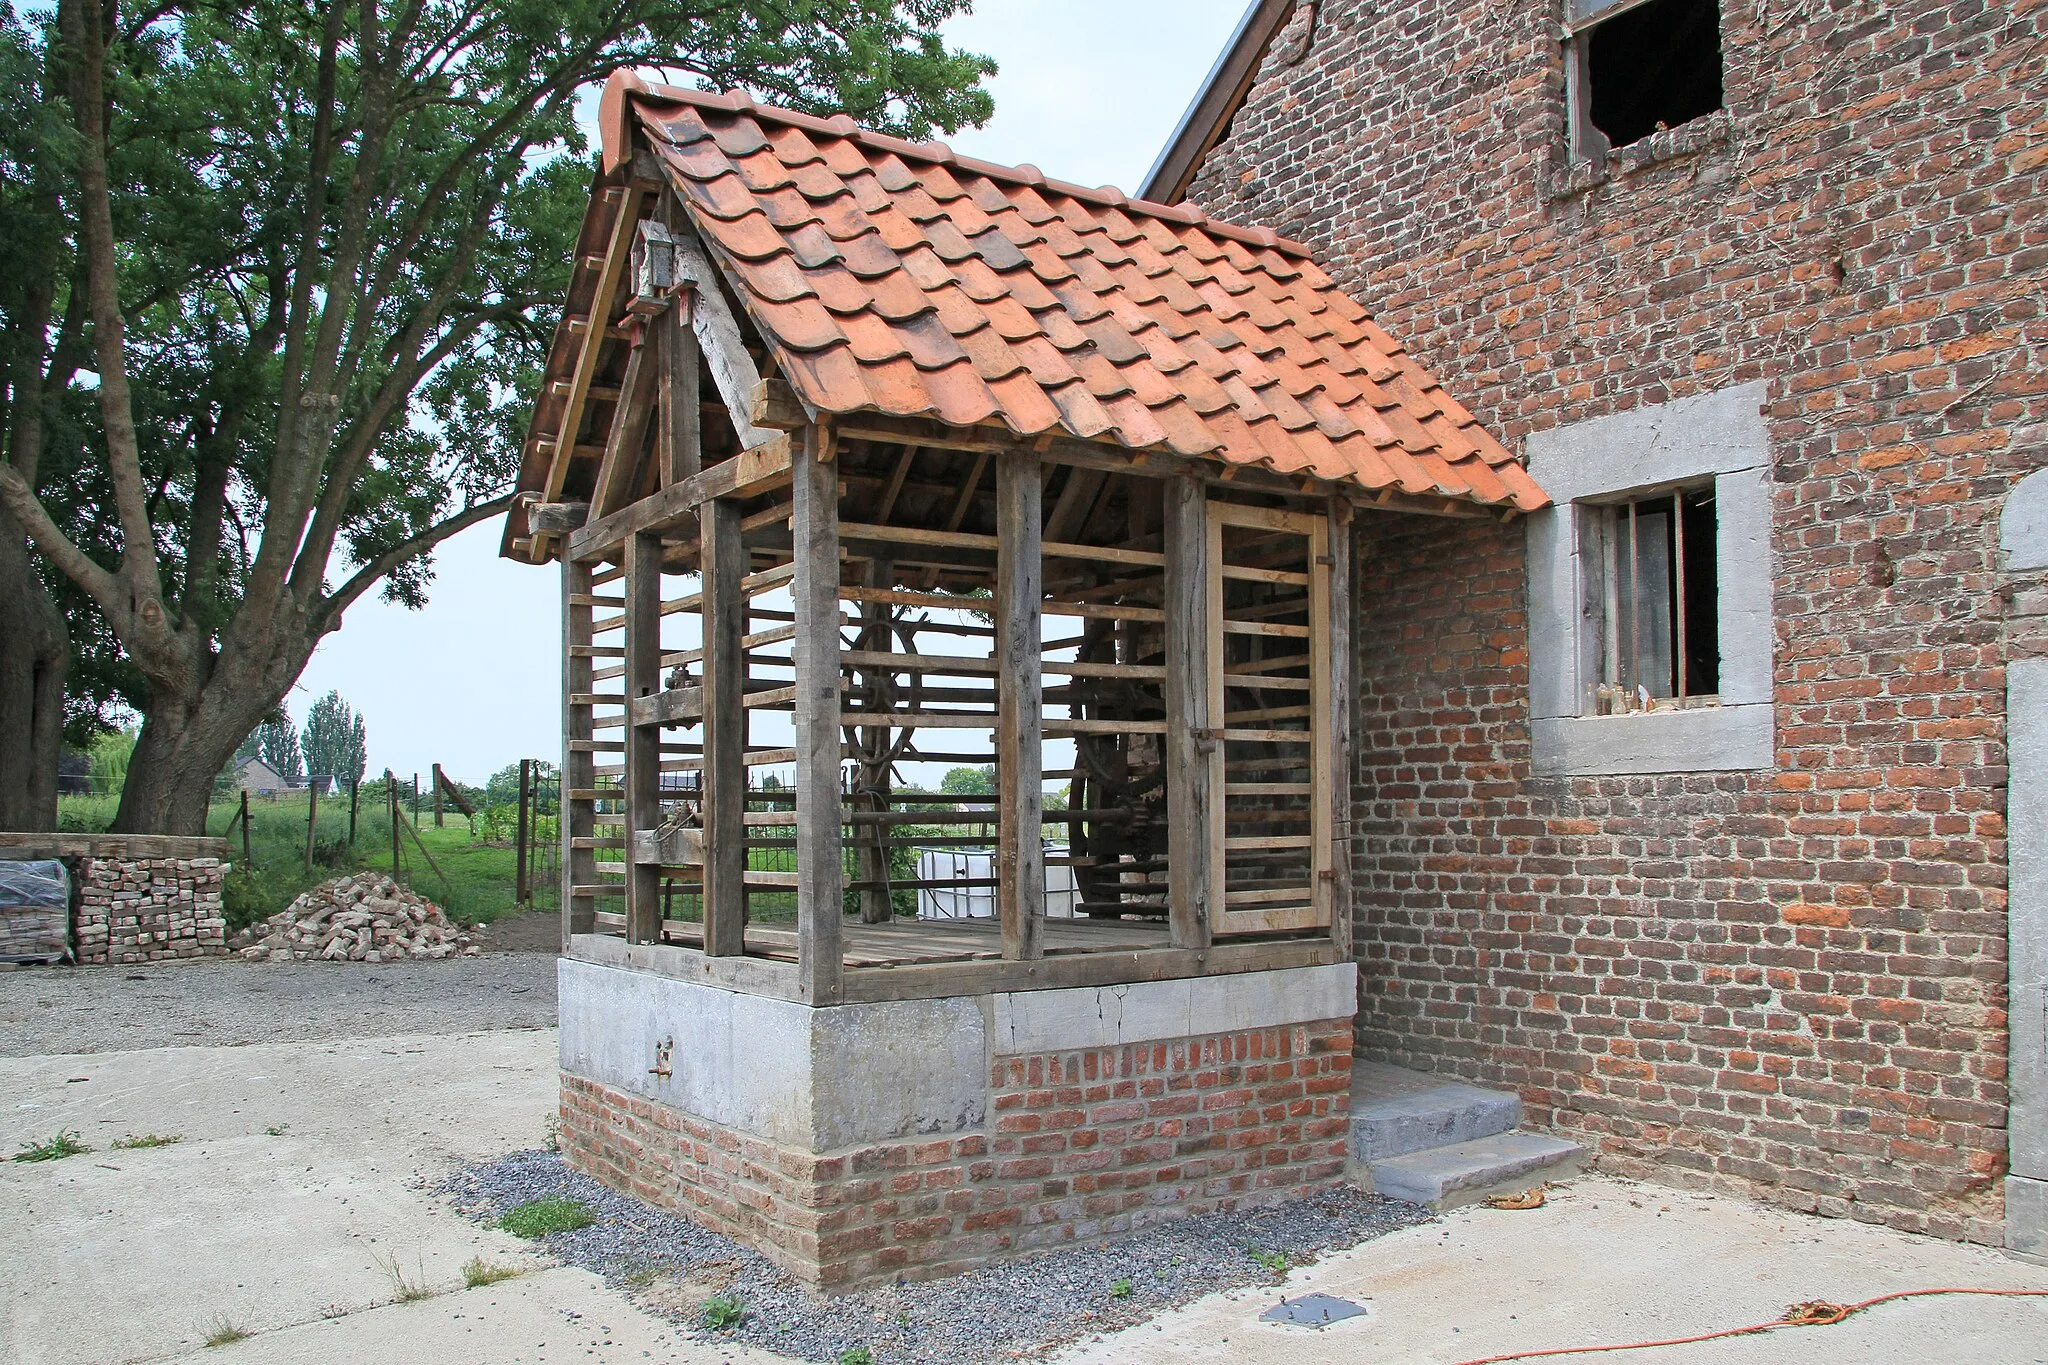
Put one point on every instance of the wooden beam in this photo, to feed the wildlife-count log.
(718, 334)
(618, 474)
(1019, 731)
(579, 866)
(1191, 746)
(614, 268)
(556, 518)
(680, 437)
(1340, 725)
(744, 474)
(643, 741)
(814, 528)
(724, 803)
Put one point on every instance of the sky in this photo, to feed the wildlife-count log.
(1089, 91)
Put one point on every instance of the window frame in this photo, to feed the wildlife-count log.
(1585, 141)
(1718, 437)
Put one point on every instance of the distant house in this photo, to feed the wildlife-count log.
(328, 786)
(255, 776)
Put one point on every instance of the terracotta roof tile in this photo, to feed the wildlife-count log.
(902, 278)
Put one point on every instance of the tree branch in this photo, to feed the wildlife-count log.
(328, 614)
(105, 589)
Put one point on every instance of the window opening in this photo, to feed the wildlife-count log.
(1640, 68)
(1655, 590)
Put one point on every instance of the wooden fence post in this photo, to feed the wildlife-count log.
(312, 817)
(391, 800)
(355, 792)
(519, 891)
(248, 858)
(437, 796)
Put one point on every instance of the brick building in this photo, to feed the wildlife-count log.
(1682, 806)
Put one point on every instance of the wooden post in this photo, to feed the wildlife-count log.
(1341, 664)
(1020, 764)
(391, 800)
(355, 792)
(643, 742)
(248, 859)
(876, 905)
(520, 893)
(576, 812)
(312, 817)
(724, 774)
(1191, 745)
(438, 779)
(821, 876)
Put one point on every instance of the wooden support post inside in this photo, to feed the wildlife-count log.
(1341, 664)
(1191, 743)
(1020, 782)
(724, 773)
(821, 876)
(576, 813)
(643, 741)
(873, 860)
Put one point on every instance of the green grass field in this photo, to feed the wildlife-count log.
(469, 876)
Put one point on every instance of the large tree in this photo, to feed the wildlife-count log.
(313, 337)
(336, 741)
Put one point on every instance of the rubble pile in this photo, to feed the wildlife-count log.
(367, 917)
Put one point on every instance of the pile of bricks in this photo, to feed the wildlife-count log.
(1079, 1145)
(139, 898)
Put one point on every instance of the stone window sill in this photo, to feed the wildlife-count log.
(1574, 177)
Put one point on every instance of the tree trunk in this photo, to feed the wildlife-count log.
(33, 661)
(187, 740)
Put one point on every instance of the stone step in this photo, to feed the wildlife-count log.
(1466, 1172)
(1395, 1111)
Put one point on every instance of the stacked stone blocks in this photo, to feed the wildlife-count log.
(138, 898)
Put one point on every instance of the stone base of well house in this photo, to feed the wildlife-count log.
(855, 1144)
(138, 898)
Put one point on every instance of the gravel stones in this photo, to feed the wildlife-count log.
(670, 1265)
(367, 917)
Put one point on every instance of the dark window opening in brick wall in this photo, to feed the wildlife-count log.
(1653, 586)
(1641, 68)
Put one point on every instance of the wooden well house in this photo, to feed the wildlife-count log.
(863, 461)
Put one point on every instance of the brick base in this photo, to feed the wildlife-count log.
(1078, 1145)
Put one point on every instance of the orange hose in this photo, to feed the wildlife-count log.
(1816, 1314)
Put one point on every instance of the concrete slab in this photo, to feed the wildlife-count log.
(1395, 1111)
(1610, 1261)
(1464, 1172)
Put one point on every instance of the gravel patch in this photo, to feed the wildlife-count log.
(1020, 1308)
(214, 1002)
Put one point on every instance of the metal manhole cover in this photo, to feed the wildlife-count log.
(1312, 1310)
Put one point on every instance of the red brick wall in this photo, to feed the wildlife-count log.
(1791, 980)
(1079, 1145)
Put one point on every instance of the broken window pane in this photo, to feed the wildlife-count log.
(1643, 67)
(1652, 600)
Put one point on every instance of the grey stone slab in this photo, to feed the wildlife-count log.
(2023, 526)
(1709, 739)
(1108, 1016)
(1465, 1171)
(2026, 1216)
(1392, 1116)
(2026, 700)
(1662, 443)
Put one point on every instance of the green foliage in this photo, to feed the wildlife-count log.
(336, 741)
(345, 236)
(539, 1217)
(970, 781)
(1120, 1289)
(276, 742)
(477, 1272)
(109, 754)
(503, 788)
(56, 1149)
(1275, 1261)
(722, 1312)
(856, 1355)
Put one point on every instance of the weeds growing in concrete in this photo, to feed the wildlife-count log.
(551, 1135)
(223, 1330)
(477, 1272)
(406, 1289)
(133, 1142)
(722, 1312)
(277, 1129)
(539, 1217)
(56, 1149)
